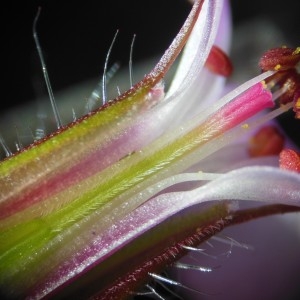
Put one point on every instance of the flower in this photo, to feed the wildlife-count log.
(92, 195)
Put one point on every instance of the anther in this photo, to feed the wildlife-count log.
(285, 61)
(280, 59)
(218, 62)
(267, 141)
(289, 160)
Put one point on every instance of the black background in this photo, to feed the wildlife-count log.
(75, 36)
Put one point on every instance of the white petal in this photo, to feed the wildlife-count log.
(197, 48)
(266, 184)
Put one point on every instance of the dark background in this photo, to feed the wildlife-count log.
(75, 37)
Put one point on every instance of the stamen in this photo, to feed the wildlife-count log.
(104, 78)
(289, 160)
(279, 93)
(285, 61)
(267, 141)
(45, 73)
(218, 62)
(279, 59)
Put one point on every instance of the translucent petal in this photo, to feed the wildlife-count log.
(271, 186)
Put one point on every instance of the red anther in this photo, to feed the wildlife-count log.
(280, 59)
(285, 61)
(289, 160)
(267, 141)
(218, 62)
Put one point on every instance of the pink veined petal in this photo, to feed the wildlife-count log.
(211, 86)
(272, 185)
(186, 81)
(197, 47)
